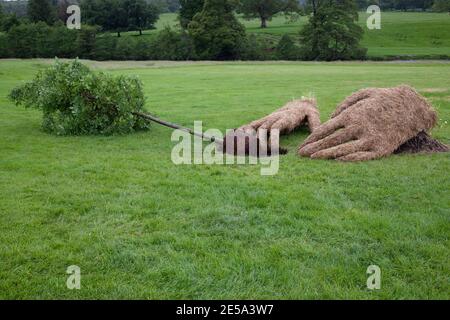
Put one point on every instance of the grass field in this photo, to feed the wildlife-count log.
(401, 34)
(139, 226)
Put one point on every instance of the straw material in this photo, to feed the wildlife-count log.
(288, 118)
(370, 124)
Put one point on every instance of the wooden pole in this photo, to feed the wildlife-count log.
(149, 117)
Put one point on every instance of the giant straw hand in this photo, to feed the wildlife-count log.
(370, 124)
(288, 118)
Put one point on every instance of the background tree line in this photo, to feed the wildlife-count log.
(110, 15)
(209, 30)
(256, 8)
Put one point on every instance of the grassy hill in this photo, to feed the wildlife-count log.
(402, 33)
(140, 226)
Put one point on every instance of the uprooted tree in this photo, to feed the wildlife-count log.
(77, 101)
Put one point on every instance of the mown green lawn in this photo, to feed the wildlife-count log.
(139, 226)
(401, 34)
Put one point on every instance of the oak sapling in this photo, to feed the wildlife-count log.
(77, 101)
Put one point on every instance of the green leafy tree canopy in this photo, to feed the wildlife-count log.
(266, 9)
(41, 10)
(188, 9)
(120, 15)
(216, 32)
(332, 32)
(77, 101)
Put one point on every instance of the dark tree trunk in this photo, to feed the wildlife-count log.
(140, 32)
(263, 22)
(118, 34)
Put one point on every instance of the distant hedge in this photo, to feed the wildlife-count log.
(76, 101)
(39, 40)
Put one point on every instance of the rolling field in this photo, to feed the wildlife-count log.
(401, 34)
(139, 226)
